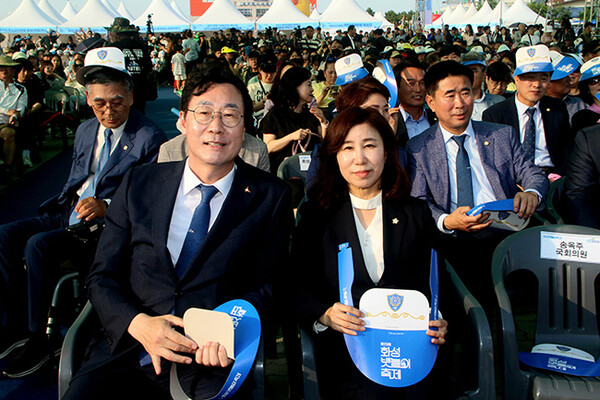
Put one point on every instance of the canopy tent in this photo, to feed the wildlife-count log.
(164, 18)
(314, 15)
(68, 12)
(384, 22)
(93, 15)
(222, 14)
(51, 11)
(27, 18)
(110, 8)
(179, 11)
(123, 11)
(472, 10)
(520, 12)
(283, 15)
(457, 17)
(342, 13)
(481, 15)
(496, 17)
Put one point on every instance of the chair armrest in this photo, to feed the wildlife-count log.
(309, 367)
(72, 342)
(486, 386)
(258, 372)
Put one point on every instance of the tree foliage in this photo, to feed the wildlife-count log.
(370, 11)
(553, 13)
(395, 17)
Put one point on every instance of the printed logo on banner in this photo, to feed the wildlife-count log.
(395, 301)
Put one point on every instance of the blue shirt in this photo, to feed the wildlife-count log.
(413, 128)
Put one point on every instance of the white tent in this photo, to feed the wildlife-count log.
(123, 11)
(314, 15)
(471, 11)
(497, 16)
(520, 12)
(222, 14)
(179, 11)
(68, 12)
(342, 13)
(93, 15)
(457, 17)
(51, 11)
(110, 8)
(384, 22)
(27, 18)
(481, 16)
(164, 18)
(283, 15)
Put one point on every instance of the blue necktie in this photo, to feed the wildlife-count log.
(90, 191)
(463, 174)
(529, 138)
(197, 230)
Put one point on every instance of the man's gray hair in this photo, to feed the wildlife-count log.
(106, 79)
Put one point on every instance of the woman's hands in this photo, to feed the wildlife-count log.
(440, 334)
(344, 319)
(300, 134)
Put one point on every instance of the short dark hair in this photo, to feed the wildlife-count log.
(330, 188)
(107, 76)
(499, 72)
(406, 63)
(212, 73)
(442, 70)
(356, 93)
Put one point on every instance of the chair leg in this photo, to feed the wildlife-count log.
(52, 314)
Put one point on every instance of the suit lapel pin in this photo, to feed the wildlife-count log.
(547, 109)
(486, 143)
(247, 190)
(125, 147)
(395, 221)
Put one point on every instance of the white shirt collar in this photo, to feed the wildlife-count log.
(190, 180)
(522, 108)
(448, 136)
(117, 132)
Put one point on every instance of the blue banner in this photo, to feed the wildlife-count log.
(390, 357)
(246, 324)
(383, 73)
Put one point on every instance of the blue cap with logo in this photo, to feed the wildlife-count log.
(590, 69)
(349, 69)
(563, 65)
(533, 59)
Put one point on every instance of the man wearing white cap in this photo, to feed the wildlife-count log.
(481, 99)
(560, 82)
(105, 148)
(542, 122)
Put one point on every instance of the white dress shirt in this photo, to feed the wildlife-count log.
(371, 238)
(100, 139)
(188, 198)
(482, 189)
(542, 157)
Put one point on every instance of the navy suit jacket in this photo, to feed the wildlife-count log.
(133, 272)
(557, 128)
(503, 160)
(138, 145)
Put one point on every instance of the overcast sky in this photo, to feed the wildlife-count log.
(137, 6)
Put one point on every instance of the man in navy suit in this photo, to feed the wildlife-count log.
(105, 148)
(530, 110)
(135, 287)
(459, 163)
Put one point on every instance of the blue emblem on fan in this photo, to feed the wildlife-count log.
(102, 54)
(395, 301)
(530, 52)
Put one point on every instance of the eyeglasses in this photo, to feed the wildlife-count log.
(229, 117)
(115, 105)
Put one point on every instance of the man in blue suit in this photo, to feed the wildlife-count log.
(145, 276)
(459, 163)
(105, 148)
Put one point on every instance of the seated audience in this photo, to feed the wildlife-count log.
(361, 192)
(590, 88)
(481, 100)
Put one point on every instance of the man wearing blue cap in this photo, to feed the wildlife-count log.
(541, 121)
(481, 100)
(560, 82)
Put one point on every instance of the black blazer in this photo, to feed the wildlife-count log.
(555, 117)
(409, 232)
(133, 271)
(582, 184)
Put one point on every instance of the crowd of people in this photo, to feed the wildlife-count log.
(480, 116)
